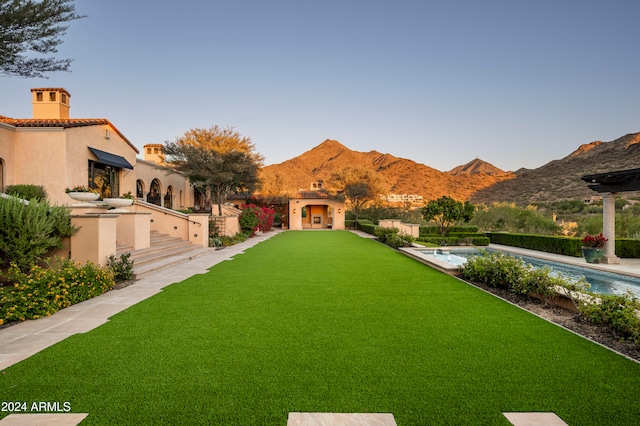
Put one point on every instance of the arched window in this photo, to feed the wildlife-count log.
(155, 193)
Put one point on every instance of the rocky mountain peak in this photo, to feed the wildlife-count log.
(477, 167)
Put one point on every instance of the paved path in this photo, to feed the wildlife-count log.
(23, 340)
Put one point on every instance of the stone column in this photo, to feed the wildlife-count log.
(609, 227)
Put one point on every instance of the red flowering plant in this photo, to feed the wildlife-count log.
(254, 218)
(594, 241)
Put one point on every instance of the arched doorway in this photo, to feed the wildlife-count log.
(155, 193)
(139, 189)
(168, 198)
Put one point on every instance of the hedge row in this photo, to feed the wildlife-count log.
(434, 230)
(568, 246)
(454, 241)
(628, 248)
(367, 226)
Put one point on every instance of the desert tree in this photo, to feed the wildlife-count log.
(28, 26)
(358, 186)
(217, 161)
(447, 212)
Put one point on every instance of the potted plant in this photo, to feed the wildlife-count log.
(125, 200)
(82, 193)
(593, 247)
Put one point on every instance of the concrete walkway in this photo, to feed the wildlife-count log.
(25, 339)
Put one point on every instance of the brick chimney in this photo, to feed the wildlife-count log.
(50, 103)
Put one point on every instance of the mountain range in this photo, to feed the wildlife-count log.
(478, 180)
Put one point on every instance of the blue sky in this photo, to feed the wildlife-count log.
(515, 83)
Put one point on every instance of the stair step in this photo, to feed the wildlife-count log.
(164, 252)
(168, 262)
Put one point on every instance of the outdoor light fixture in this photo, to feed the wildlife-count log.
(339, 210)
(294, 211)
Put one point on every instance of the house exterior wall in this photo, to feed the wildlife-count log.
(39, 159)
(147, 171)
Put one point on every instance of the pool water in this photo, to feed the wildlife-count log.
(600, 281)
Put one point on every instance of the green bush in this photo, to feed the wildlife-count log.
(494, 269)
(480, 241)
(249, 219)
(366, 226)
(27, 192)
(122, 268)
(618, 312)
(28, 231)
(43, 291)
(392, 237)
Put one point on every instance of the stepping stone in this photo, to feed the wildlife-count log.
(341, 419)
(52, 419)
(534, 419)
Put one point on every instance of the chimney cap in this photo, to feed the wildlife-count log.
(51, 89)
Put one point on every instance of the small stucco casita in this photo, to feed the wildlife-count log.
(315, 210)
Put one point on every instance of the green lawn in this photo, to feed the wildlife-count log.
(327, 322)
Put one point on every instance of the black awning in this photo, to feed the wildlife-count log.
(616, 181)
(111, 159)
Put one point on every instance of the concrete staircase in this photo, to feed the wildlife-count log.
(164, 252)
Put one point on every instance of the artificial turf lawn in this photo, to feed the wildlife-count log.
(327, 322)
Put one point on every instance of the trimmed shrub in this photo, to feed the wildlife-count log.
(551, 244)
(43, 291)
(367, 226)
(27, 192)
(28, 231)
(478, 240)
(628, 248)
(434, 230)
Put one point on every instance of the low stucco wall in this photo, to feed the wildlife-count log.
(411, 229)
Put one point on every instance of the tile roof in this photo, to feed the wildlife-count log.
(312, 194)
(65, 123)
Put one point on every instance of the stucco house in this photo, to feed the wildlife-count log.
(57, 152)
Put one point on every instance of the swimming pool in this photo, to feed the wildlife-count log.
(600, 281)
